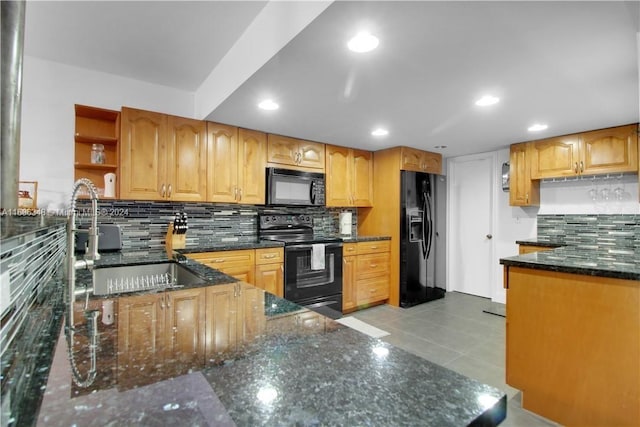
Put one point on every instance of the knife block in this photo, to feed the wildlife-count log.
(175, 241)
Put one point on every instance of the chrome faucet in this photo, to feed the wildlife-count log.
(74, 264)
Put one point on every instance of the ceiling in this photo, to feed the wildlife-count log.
(572, 65)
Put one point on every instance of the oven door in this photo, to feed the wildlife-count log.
(301, 283)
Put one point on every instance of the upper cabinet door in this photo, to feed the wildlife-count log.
(432, 162)
(411, 159)
(143, 155)
(522, 190)
(555, 157)
(311, 154)
(252, 156)
(222, 182)
(610, 150)
(338, 176)
(362, 178)
(421, 161)
(282, 150)
(187, 160)
(298, 153)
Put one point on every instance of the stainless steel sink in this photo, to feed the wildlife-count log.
(136, 278)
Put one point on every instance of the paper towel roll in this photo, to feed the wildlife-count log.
(345, 223)
(109, 185)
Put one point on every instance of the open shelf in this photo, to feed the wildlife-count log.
(96, 126)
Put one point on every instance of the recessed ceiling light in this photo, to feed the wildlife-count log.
(380, 132)
(268, 104)
(363, 42)
(487, 100)
(439, 147)
(537, 127)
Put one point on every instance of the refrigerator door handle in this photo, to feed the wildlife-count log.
(425, 224)
(429, 226)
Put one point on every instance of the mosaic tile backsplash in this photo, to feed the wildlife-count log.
(592, 231)
(144, 224)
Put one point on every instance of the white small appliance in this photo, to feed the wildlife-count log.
(110, 185)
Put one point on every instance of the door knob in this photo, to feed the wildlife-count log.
(489, 236)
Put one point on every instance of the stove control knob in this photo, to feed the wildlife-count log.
(307, 218)
(273, 218)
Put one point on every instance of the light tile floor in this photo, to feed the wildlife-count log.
(455, 332)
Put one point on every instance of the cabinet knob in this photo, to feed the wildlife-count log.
(581, 166)
(576, 168)
(163, 191)
(239, 194)
(169, 192)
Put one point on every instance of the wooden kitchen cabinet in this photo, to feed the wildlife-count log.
(160, 327)
(349, 299)
(365, 274)
(237, 158)
(372, 272)
(251, 158)
(420, 161)
(235, 317)
(349, 177)
(96, 126)
(163, 157)
(611, 150)
(283, 150)
(523, 191)
(269, 271)
(239, 264)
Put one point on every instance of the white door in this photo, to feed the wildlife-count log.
(470, 198)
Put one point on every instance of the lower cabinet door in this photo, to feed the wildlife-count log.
(270, 277)
(348, 283)
(141, 340)
(251, 316)
(185, 326)
(221, 330)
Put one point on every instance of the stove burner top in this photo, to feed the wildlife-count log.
(290, 229)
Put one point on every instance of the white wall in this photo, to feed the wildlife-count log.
(50, 91)
(577, 196)
(512, 223)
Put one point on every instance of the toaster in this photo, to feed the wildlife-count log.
(109, 240)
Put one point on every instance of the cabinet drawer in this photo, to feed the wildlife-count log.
(371, 290)
(269, 256)
(374, 247)
(223, 258)
(349, 249)
(372, 265)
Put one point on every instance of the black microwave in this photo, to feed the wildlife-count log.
(292, 187)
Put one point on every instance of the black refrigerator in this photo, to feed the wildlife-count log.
(417, 239)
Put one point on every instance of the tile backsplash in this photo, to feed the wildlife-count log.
(615, 231)
(144, 224)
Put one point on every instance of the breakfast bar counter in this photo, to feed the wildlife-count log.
(573, 333)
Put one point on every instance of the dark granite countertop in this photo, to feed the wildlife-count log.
(591, 261)
(232, 246)
(296, 367)
(356, 239)
(27, 222)
(542, 242)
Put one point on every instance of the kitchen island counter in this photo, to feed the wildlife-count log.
(591, 261)
(297, 368)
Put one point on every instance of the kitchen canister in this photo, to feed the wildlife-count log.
(97, 154)
(109, 185)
